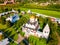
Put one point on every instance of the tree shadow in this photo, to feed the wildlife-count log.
(12, 36)
(25, 41)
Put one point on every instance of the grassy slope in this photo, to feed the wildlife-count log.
(46, 12)
(3, 26)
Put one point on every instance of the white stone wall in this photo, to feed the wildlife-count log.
(44, 34)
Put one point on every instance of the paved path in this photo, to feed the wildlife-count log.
(20, 38)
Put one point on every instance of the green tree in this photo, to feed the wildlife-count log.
(42, 22)
(8, 23)
(53, 37)
(16, 37)
(2, 20)
(37, 41)
(22, 21)
(19, 10)
(2, 1)
(6, 9)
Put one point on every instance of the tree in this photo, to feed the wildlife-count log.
(22, 43)
(58, 30)
(2, 20)
(42, 22)
(3, 9)
(2, 1)
(16, 37)
(12, 43)
(22, 21)
(52, 37)
(36, 41)
(6, 9)
(19, 10)
(8, 23)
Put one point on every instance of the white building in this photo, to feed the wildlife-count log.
(29, 12)
(23, 12)
(5, 13)
(32, 28)
(32, 24)
(58, 20)
(4, 42)
(46, 31)
(14, 11)
(13, 18)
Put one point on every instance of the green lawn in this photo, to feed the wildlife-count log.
(10, 31)
(46, 12)
(3, 26)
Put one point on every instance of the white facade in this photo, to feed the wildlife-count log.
(4, 42)
(22, 12)
(5, 13)
(33, 29)
(46, 31)
(57, 20)
(44, 34)
(14, 11)
(29, 11)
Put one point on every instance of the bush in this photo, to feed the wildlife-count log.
(6, 9)
(49, 7)
(8, 23)
(2, 20)
(16, 37)
(36, 41)
(58, 30)
(12, 43)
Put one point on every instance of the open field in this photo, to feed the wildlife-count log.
(3, 26)
(46, 12)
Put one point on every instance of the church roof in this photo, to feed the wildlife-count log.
(15, 18)
(46, 28)
(32, 23)
(31, 27)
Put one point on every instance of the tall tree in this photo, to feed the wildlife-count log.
(21, 21)
(8, 23)
(2, 20)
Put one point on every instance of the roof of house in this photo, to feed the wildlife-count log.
(46, 28)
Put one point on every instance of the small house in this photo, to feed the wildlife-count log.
(13, 18)
(4, 42)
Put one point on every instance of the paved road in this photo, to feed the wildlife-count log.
(20, 38)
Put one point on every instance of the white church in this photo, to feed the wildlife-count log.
(32, 28)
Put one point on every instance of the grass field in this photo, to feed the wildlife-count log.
(3, 26)
(46, 12)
